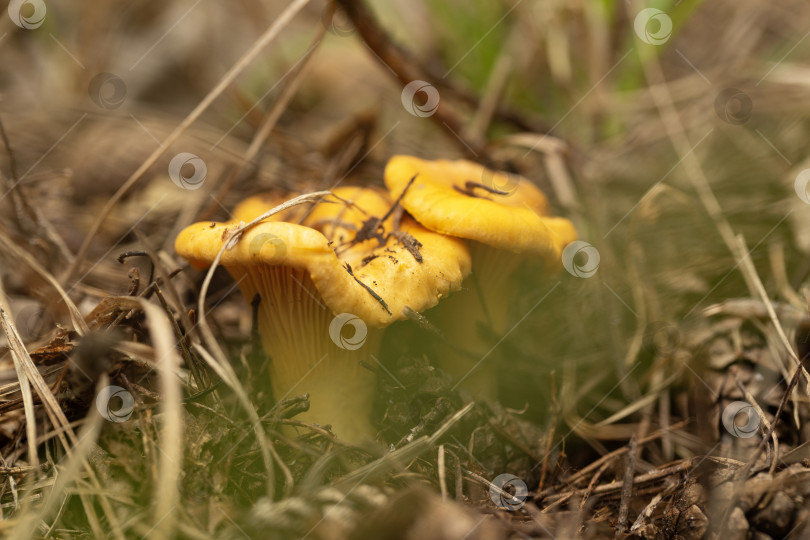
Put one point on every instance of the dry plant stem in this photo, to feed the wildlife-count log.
(549, 438)
(591, 485)
(402, 61)
(403, 65)
(221, 366)
(749, 267)
(648, 511)
(657, 387)
(315, 429)
(269, 123)
(6, 471)
(397, 459)
(639, 304)
(776, 254)
(266, 448)
(226, 80)
(15, 344)
(487, 484)
(459, 480)
(442, 473)
(19, 202)
(762, 418)
(627, 487)
(188, 358)
(25, 388)
(157, 266)
(576, 477)
(616, 487)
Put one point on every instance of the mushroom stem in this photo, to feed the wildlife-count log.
(475, 320)
(294, 325)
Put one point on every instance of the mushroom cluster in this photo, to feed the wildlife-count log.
(361, 259)
(347, 263)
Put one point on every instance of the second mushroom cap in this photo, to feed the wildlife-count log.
(464, 199)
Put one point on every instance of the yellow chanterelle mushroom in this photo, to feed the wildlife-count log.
(505, 220)
(329, 278)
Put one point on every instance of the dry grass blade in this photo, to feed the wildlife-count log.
(226, 80)
(615, 487)
(627, 487)
(68, 474)
(17, 354)
(18, 253)
(259, 139)
(442, 472)
(748, 268)
(652, 395)
(396, 458)
(166, 495)
(577, 476)
(31, 375)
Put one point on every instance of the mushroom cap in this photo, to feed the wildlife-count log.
(392, 270)
(253, 207)
(501, 210)
(341, 217)
(271, 243)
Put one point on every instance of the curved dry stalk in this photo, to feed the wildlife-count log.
(763, 419)
(166, 493)
(401, 64)
(16, 346)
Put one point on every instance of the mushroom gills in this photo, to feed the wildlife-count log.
(294, 325)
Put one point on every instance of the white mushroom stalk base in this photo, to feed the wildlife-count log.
(295, 331)
(476, 318)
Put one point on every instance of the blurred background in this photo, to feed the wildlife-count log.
(674, 135)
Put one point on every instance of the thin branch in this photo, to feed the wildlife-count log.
(404, 66)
